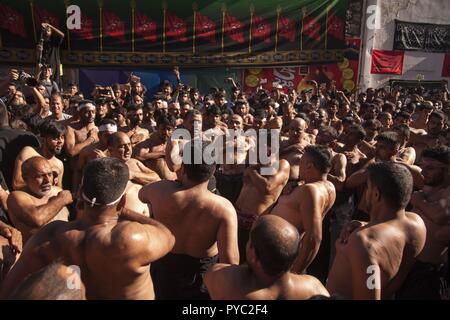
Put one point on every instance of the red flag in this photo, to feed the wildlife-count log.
(176, 27)
(446, 66)
(311, 28)
(286, 28)
(144, 26)
(335, 26)
(390, 62)
(205, 27)
(86, 31)
(234, 28)
(260, 29)
(113, 26)
(12, 20)
(42, 15)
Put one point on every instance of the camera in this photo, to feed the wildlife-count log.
(27, 79)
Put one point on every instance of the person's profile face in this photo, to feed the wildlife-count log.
(435, 125)
(433, 171)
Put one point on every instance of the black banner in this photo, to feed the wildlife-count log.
(422, 36)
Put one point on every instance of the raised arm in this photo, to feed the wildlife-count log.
(55, 30)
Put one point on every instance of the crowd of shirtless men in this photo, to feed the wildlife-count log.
(101, 202)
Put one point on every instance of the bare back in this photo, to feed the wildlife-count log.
(389, 247)
(107, 255)
(199, 220)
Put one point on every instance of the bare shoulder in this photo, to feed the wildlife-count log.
(27, 152)
(223, 207)
(416, 224)
(19, 196)
(130, 238)
(308, 286)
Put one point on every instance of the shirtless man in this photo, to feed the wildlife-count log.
(306, 206)
(423, 111)
(52, 141)
(229, 176)
(433, 205)
(375, 259)
(94, 151)
(113, 248)
(271, 251)
(83, 133)
(272, 121)
(435, 128)
(152, 151)
(40, 202)
(258, 195)
(204, 225)
(355, 158)
(292, 149)
(405, 154)
(119, 147)
(135, 116)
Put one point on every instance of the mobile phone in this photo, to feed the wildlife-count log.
(103, 92)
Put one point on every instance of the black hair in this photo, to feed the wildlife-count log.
(389, 137)
(330, 130)
(51, 128)
(438, 114)
(197, 172)
(403, 129)
(402, 114)
(303, 116)
(273, 248)
(191, 113)
(213, 110)
(105, 179)
(166, 120)
(133, 107)
(440, 153)
(393, 181)
(359, 130)
(321, 157)
(372, 122)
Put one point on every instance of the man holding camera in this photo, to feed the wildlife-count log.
(48, 50)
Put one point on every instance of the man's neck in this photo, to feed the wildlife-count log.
(95, 216)
(189, 184)
(384, 213)
(315, 178)
(46, 153)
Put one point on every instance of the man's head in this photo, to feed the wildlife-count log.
(191, 119)
(55, 281)
(165, 126)
(403, 133)
(372, 128)
(38, 176)
(436, 123)
(53, 135)
(326, 135)
(56, 104)
(194, 166)
(387, 146)
(220, 100)
(240, 107)
(390, 184)
(402, 117)
(212, 116)
(436, 165)
(273, 245)
(106, 128)
(296, 128)
(236, 122)
(386, 120)
(135, 115)
(333, 107)
(86, 110)
(321, 119)
(175, 109)
(18, 99)
(104, 182)
(119, 146)
(119, 115)
(316, 161)
(288, 108)
(355, 134)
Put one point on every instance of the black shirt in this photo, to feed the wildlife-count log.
(51, 57)
(12, 141)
